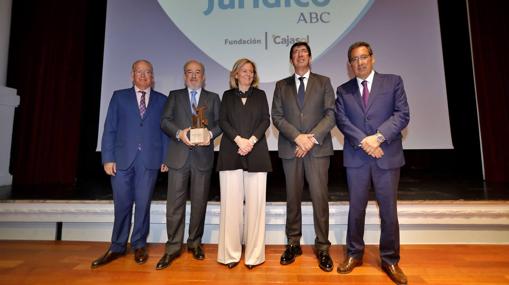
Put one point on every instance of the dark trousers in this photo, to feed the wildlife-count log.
(179, 181)
(315, 170)
(134, 185)
(385, 184)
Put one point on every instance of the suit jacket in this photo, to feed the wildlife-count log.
(387, 111)
(177, 116)
(251, 119)
(315, 117)
(125, 131)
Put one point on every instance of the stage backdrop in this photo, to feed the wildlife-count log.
(404, 34)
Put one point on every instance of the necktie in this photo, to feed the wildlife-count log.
(365, 93)
(193, 101)
(143, 107)
(300, 92)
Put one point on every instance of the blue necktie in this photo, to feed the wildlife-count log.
(193, 101)
(300, 92)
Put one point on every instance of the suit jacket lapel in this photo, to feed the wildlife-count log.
(134, 100)
(203, 98)
(309, 88)
(293, 89)
(356, 93)
(150, 104)
(375, 86)
(184, 95)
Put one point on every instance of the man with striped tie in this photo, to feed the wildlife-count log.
(132, 149)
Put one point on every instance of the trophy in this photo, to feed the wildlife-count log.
(199, 134)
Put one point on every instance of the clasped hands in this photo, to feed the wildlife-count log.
(372, 147)
(183, 137)
(111, 168)
(305, 142)
(245, 145)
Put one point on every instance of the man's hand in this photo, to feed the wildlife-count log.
(377, 153)
(110, 168)
(299, 152)
(305, 141)
(164, 168)
(183, 137)
(369, 144)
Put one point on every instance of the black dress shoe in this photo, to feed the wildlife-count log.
(166, 260)
(108, 257)
(324, 261)
(197, 252)
(348, 265)
(290, 253)
(232, 264)
(395, 273)
(140, 255)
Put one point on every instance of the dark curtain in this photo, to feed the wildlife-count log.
(490, 44)
(46, 64)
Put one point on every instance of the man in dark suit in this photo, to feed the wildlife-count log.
(132, 151)
(190, 165)
(371, 112)
(303, 112)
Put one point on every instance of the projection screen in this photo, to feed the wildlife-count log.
(404, 34)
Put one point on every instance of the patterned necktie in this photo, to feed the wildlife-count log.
(365, 93)
(143, 107)
(193, 101)
(300, 92)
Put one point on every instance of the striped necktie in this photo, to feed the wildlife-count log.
(143, 107)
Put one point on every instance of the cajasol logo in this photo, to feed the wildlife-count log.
(263, 30)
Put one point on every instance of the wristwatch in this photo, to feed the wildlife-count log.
(380, 138)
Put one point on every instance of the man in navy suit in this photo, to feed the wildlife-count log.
(371, 112)
(132, 149)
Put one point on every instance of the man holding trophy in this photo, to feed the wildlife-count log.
(190, 118)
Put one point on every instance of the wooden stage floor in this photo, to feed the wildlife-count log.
(54, 262)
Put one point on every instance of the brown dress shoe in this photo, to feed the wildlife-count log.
(108, 257)
(348, 265)
(395, 273)
(140, 255)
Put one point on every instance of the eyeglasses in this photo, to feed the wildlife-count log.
(143, 72)
(301, 50)
(193, 73)
(359, 58)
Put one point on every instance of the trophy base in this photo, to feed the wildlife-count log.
(198, 135)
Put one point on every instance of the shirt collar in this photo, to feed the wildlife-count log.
(137, 90)
(369, 79)
(306, 75)
(198, 91)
